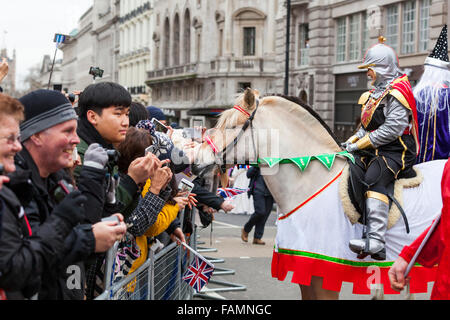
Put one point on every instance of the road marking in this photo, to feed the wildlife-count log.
(227, 225)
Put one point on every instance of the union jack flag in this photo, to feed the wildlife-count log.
(198, 273)
(230, 193)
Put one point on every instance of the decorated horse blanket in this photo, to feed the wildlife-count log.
(313, 240)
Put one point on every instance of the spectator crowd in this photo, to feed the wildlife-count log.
(77, 177)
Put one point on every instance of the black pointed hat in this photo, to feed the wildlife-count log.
(440, 51)
(439, 55)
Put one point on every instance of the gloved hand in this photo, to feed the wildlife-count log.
(345, 144)
(71, 209)
(352, 147)
(95, 156)
(113, 183)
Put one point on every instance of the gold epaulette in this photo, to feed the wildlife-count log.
(400, 97)
(364, 97)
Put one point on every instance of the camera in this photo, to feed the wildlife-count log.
(112, 219)
(62, 189)
(113, 159)
(71, 97)
(96, 72)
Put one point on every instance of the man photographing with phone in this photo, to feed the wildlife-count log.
(48, 136)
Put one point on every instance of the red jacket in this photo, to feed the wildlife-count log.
(437, 249)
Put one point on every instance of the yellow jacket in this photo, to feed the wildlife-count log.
(165, 217)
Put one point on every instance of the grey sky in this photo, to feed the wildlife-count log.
(31, 25)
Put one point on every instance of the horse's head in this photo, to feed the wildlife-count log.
(211, 154)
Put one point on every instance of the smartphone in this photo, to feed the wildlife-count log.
(2, 170)
(197, 123)
(113, 219)
(192, 133)
(185, 186)
(75, 154)
(159, 126)
(151, 149)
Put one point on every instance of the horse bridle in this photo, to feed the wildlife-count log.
(221, 156)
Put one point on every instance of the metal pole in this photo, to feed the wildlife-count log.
(288, 38)
(53, 65)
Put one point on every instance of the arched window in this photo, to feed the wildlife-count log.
(166, 52)
(176, 40)
(187, 37)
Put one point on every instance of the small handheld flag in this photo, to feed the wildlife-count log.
(230, 193)
(200, 270)
(198, 273)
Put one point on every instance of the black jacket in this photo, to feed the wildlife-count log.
(39, 203)
(24, 255)
(257, 184)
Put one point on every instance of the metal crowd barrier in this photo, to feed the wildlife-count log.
(159, 278)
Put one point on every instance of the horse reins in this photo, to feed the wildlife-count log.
(221, 156)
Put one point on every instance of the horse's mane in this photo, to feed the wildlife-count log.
(305, 106)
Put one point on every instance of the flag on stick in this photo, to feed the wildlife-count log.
(199, 272)
(424, 242)
(230, 193)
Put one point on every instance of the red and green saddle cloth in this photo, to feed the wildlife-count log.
(401, 89)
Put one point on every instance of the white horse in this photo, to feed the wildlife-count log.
(313, 230)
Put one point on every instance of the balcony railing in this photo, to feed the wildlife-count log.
(173, 71)
(231, 65)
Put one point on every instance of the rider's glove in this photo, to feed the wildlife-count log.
(351, 147)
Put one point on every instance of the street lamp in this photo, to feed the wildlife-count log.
(288, 36)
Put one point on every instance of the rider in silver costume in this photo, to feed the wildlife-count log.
(387, 136)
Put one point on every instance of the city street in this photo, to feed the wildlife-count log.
(252, 264)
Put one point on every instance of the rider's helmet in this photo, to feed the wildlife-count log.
(383, 60)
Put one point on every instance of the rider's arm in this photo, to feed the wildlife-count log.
(397, 120)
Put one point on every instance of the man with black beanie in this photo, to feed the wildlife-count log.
(48, 137)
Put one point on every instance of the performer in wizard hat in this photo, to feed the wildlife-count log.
(432, 94)
(388, 136)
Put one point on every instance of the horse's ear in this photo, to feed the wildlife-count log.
(249, 98)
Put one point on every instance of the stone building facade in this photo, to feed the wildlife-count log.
(205, 52)
(94, 43)
(135, 27)
(9, 83)
(329, 39)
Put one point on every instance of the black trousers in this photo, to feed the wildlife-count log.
(263, 207)
(379, 176)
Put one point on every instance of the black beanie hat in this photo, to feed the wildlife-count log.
(44, 109)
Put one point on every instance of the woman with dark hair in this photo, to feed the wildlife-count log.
(137, 113)
(143, 224)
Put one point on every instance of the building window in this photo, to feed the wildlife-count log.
(341, 40)
(392, 26)
(176, 40)
(249, 41)
(408, 34)
(187, 37)
(424, 24)
(303, 44)
(365, 35)
(354, 37)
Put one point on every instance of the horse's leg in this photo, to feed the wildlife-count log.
(378, 292)
(307, 292)
(320, 293)
(316, 292)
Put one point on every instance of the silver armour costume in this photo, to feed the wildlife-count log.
(387, 136)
